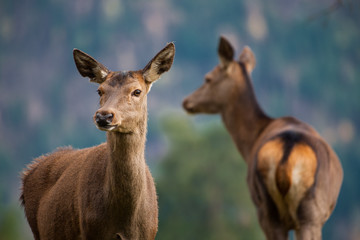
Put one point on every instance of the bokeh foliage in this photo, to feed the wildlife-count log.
(307, 66)
(202, 186)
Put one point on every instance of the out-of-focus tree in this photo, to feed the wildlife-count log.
(201, 184)
(307, 66)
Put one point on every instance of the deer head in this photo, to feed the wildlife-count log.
(223, 83)
(123, 94)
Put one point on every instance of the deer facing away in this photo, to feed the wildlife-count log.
(106, 191)
(294, 176)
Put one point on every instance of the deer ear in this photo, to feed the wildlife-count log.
(225, 51)
(247, 57)
(159, 64)
(89, 67)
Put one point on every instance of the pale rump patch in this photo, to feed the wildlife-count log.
(297, 173)
(302, 166)
(269, 157)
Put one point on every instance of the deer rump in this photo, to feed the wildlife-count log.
(64, 191)
(288, 168)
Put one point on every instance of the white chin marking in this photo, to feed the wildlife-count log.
(111, 128)
(106, 129)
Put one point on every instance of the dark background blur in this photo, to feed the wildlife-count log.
(308, 55)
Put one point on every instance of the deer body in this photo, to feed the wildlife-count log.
(294, 176)
(106, 191)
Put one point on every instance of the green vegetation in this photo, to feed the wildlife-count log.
(306, 67)
(202, 186)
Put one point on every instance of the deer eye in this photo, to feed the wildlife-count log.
(99, 92)
(136, 93)
(207, 80)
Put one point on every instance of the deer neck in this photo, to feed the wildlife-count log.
(245, 120)
(126, 167)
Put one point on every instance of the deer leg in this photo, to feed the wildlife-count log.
(309, 232)
(310, 219)
(276, 234)
(273, 231)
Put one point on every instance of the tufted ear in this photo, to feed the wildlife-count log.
(159, 64)
(89, 67)
(247, 57)
(225, 51)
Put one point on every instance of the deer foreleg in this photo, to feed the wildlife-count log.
(309, 232)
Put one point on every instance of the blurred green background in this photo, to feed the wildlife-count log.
(308, 55)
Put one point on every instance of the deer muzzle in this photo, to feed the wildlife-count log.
(189, 106)
(104, 120)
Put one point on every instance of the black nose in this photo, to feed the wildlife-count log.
(103, 120)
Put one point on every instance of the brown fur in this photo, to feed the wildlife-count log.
(294, 176)
(106, 191)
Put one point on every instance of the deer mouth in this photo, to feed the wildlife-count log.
(113, 128)
(189, 107)
(191, 110)
(106, 127)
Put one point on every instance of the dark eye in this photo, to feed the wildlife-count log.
(207, 80)
(136, 93)
(99, 92)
